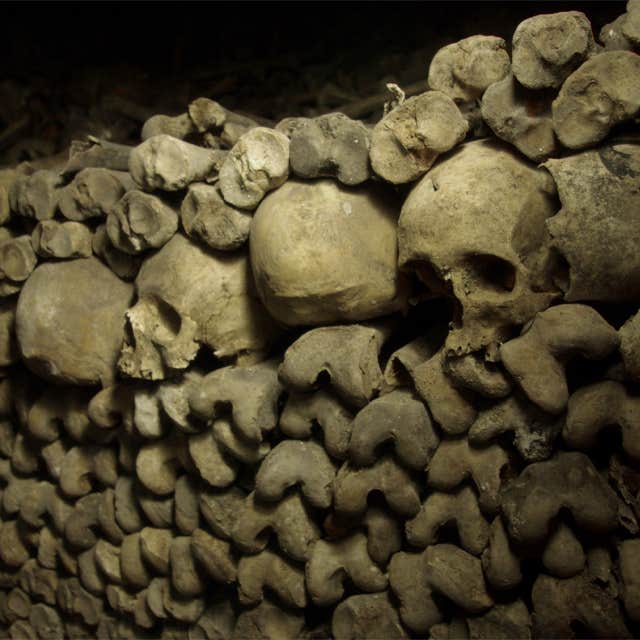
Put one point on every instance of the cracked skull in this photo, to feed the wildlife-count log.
(474, 228)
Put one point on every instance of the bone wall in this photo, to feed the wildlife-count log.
(326, 377)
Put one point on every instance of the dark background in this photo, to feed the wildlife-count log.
(68, 69)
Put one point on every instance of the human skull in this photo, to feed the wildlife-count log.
(474, 228)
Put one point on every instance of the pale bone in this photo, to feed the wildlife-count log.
(186, 511)
(303, 410)
(158, 463)
(169, 164)
(455, 460)
(208, 115)
(409, 139)
(288, 520)
(600, 405)
(257, 163)
(157, 509)
(612, 35)
(9, 353)
(82, 463)
(173, 396)
(352, 488)
(221, 509)
(366, 617)
(92, 193)
(28, 498)
(331, 145)
(537, 357)
(630, 347)
(147, 416)
(464, 69)
(215, 291)
(598, 192)
(24, 454)
(479, 375)
(214, 556)
(73, 599)
(268, 622)
(600, 94)
(398, 417)
(46, 622)
(568, 480)
(534, 431)
(521, 117)
(180, 126)
(292, 463)
(236, 446)
(97, 153)
(128, 515)
(17, 262)
(440, 509)
(107, 517)
(557, 603)
(458, 576)
(213, 464)
(90, 577)
(124, 265)
(500, 563)
(155, 546)
(629, 559)
(72, 332)
(563, 555)
(52, 239)
(108, 560)
(36, 196)
(409, 581)
(252, 393)
(268, 569)
(473, 228)
(186, 578)
(205, 216)
(129, 605)
(301, 236)
(348, 355)
(548, 48)
(332, 562)
(140, 221)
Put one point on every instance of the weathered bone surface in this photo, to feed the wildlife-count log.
(335, 405)
(321, 253)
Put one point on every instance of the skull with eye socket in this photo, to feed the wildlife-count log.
(474, 229)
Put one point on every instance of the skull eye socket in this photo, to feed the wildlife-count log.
(491, 272)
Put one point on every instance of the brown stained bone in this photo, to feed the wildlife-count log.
(252, 392)
(600, 405)
(500, 563)
(124, 265)
(408, 140)
(477, 374)
(74, 600)
(629, 559)
(214, 556)
(257, 163)
(210, 116)
(536, 359)
(7, 178)
(558, 603)
(107, 558)
(107, 517)
(600, 94)
(547, 48)
(440, 509)
(180, 126)
(211, 461)
(53, 239)
(17, 262)
(220, 509)
(330, 145)
(235, 445)
(133, 569)
(36, 196)
(82, 464)
(92, 193)
(46, 622)
(597, 190)
(464, 69)
(186, 578)
(521, 117)
(269, 570)
(169, 164)
(303, 410)
(97, 153)
(288, 519)
(72, 332)
(8, 348)
(39, 582)
(205, 216)
(332, 562)
(630, 347)
(398, 417)
(509, 621)
(217, 621)
(384, 536)
(158, 463)
(140, 221)
(534, 431)
(455, 460)
(563, 555)
(569, 481)
(268, 622)
(353, 486)
(347, 355)
(366, 616)
(186, 509)
(292, 463)
(155, 546)
(127, 509)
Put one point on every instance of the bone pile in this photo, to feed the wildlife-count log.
(232, 405)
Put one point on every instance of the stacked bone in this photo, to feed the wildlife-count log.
(217, 424)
